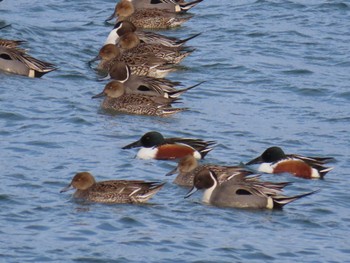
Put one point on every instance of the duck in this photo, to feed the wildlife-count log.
(147, 37)
(146, 64)
(155, 146)
(147, 18)
(116, 99)
(240, 192)
(159, 87)
(169, 6)
(15, 60)
(131, 43)
(188, 167)
(112, 191)
(274, 161)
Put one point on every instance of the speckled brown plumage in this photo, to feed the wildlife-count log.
(112, 191)
(141, 64)
(117, 100)
(188, 167)
(131, 44)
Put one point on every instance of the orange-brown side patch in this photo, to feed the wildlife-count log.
(297, 168)
(173, 151)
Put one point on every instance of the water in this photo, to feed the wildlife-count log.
(276, 72)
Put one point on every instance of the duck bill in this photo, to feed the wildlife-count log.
(133, 145)
(97, 58)
(102, 94)
(174, 171)
(67, 188)
(110, 17)
(5, 25)
(255, 161)
(108, 77)
(191, 192)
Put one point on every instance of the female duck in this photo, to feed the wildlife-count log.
(118, 100)
(131, 43)
(113, 191)
(147, 18)
(146, 64)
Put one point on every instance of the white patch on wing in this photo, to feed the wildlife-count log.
(147, 153)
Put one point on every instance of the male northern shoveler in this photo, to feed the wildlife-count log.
(155, 146)
(274, 160)
(123, 27)
(116, 99)
(241, 192)
(113, 191)
(15, 60)
(188, 167)
(147, 18)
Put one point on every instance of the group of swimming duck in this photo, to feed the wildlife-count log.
(225, 186)
(137, 61)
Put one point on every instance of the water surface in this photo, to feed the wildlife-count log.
(276, 72)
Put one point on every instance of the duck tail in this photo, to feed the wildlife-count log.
(323, 159)
(154, 188)
(187, 6)
(40, 67)
(324, 170)
(183, 41)
(177, 93)
(178, 21)
(171, 111)
(210, 146)
(280, 200)
(183, 55)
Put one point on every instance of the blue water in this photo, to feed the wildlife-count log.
(276, 72)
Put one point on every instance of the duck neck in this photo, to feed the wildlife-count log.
(208, 192)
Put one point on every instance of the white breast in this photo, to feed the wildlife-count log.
(147, 153)
(266, 168)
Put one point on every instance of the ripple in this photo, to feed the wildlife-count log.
(276, 74)
(38, 227)
(334, 6)
(12, 116)
(297, 72)
(129, 221)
